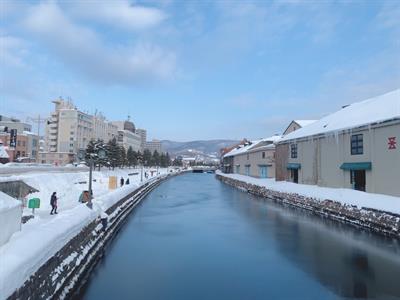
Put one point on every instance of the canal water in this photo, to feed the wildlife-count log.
(197, 238)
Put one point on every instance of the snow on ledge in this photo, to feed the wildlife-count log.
(342, 195)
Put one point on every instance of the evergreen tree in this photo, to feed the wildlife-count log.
(121, 157)
(178, 162)
(163, 160)
(156, 158)
(113, 153)
(92, 150)
(131, 157)
(167, 159)
(147, 157)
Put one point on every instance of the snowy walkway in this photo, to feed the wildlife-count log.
(344, 196)
(42, 237)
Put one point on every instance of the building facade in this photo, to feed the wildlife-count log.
(356, 147)
(127, 135)
(69, 130)
(256, 159)
(143, 138)
(154, 145)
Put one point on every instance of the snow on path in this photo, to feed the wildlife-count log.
(344, 196)
(43, 236)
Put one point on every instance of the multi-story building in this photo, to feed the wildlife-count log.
(355, 147)
(26, 141)
(102, 129)
(256, 159)
(154, 145)
(69, 130)
(143, 138)
(127, 136)
(12, 123)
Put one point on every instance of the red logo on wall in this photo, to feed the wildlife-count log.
(392, 143)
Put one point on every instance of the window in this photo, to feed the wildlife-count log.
(237, 169)
(263, 155)
(357, 147)
(23, 143)
(293, 150)
(18, 143)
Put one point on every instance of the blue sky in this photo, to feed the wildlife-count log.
(189, 70)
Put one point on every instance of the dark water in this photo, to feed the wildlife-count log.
(197, 238)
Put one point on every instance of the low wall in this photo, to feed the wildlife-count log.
(67, 270)
(378, 221)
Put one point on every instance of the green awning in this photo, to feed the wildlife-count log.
(293, 166)
(356, 166)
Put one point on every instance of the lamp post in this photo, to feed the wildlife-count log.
(101, 154)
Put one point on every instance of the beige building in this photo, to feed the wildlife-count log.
(256, 159)
(127, 136)
(56, 158)
(355, 147)
(69, 130)
(153, 145)
(143, 138)
(102, 129)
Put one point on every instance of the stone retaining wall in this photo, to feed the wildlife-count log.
(379, 221)
(68, 269)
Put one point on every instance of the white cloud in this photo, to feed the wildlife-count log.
(81, 48)
(12, 51)
(119, 13)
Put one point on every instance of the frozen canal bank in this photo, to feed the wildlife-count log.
(197, 238)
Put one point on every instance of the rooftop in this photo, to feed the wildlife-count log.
(374, 110)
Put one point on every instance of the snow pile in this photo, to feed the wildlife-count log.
(344, 196)
(375, 110)
(36, 243)
(10, 217)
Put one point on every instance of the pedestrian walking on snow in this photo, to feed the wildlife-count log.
(127, 181)
(122, 181)
(53, 203)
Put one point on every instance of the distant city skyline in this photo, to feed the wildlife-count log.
(197, 70)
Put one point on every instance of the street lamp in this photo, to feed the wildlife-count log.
(101, 154)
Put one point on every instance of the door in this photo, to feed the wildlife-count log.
(295, 175)
(263, 171)
(358, 180)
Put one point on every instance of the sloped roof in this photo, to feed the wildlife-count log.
(303, 123)
(374, 110)
(244, 148)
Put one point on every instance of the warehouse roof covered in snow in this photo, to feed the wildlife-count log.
(371, 111)
(253, 144)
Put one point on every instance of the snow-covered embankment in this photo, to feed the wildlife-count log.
(46, 259)
(379, 213)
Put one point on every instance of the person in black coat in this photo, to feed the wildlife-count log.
(122, 181)
(53, 203)
(127, 181)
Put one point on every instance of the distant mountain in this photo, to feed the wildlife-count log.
(208, 148)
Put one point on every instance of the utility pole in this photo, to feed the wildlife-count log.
(38, 121)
